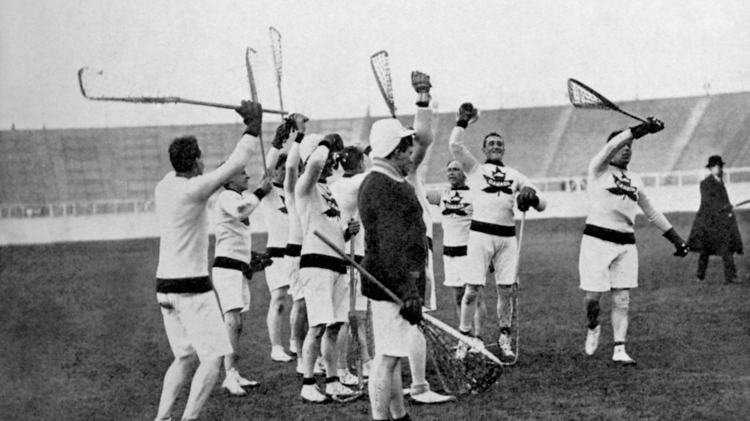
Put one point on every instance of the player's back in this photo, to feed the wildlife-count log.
(183, 226)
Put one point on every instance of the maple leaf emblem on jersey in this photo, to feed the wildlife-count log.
(333, 207)
(283, 209)
(454, 206)
(623, 188)
(497, 183)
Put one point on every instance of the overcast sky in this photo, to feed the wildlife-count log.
(494, 53)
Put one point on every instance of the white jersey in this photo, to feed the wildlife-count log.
(457, 210)
(276, 217)
(493, 186)
(320, 212)
(233, 232)
(416, 182)
(346, 190)
(615, 195)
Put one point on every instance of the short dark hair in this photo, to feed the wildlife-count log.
(281, 162)
(350, 158)
(484, 142)
(183, 152)
(613, 134)
(403, 145)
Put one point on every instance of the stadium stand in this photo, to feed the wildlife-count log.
(86, 165)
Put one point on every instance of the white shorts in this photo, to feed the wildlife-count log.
(393, 335)
(485, 248)
(232, 289)
(326, 296)
(360, 301)
(295, 287)
(455, 271)
(277, 275)
(604, 265)
(194, 325)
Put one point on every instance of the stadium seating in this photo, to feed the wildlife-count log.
(56, 166)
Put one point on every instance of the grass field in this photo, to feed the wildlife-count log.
(81, 338)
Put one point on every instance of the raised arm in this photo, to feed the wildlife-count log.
(423, 118)
(467, 114)
(292, 161)
(600, 161)
(433, 197)
(206, 185)
(317, 160)
(250, 201)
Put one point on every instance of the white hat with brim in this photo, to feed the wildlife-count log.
(308, 145)
(385, 135)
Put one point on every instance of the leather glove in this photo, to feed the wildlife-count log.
(681, 248)
(526, 199)
(421, 83)
(411, 310)
(467, 114)
(252, 116)
(258, 262)
(654, 125)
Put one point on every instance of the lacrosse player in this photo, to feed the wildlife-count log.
(277, 226)
(191, 313)
(420, 387)
(232, 256)
(609, 259)
(492, 235)
(354, 161)
(298, 314)
(455, 206)
(322, 271)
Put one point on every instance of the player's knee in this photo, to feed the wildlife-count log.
(621, 298)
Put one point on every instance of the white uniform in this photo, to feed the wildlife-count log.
(294, 245)
(277, 225)
(609, 258)
(456, 208)
(346, 190)
(322, 271)
(492, 236)
(189, 307)
(233, 248)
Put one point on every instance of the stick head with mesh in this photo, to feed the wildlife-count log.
(381, 67)
(472, 373)
(276, 49)
(581, 96)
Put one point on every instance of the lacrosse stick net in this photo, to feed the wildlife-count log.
(582, 96)
(472, 373)
(381, 68)
(275, 36)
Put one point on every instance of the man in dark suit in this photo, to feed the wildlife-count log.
(715, 229)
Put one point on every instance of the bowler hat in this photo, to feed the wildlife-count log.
(714, 160)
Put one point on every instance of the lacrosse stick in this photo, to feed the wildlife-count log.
(581, 96)
(354, 342)
(98, 86)
(381, 67)
(276, 50)
(473, 374)
(254, 96)
(744, 202)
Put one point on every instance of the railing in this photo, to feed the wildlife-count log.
(557, 184)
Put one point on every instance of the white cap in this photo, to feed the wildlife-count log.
(308, 145)
(385, 135)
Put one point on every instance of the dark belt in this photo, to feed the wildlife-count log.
(195, 285)
(322, 261)
(275, 251)
(454, 251)
(492, 229)
(607, 234)
(229, 263)
(293, 250)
